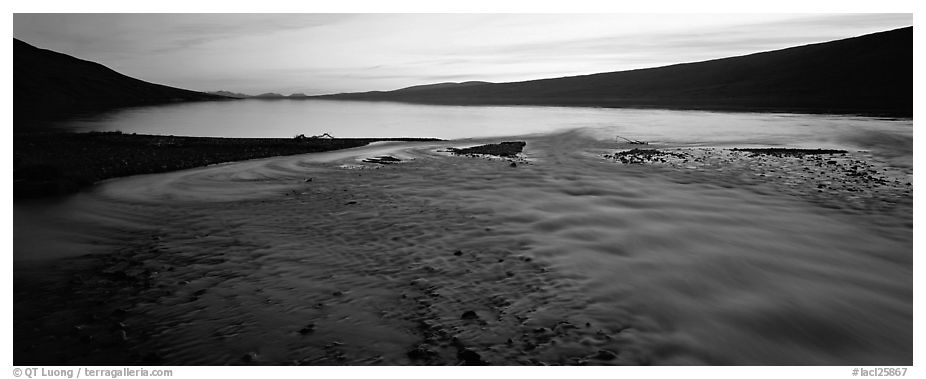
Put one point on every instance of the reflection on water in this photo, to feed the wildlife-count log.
(287, 118)
(656, 266)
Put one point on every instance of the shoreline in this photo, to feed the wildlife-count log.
(56, 163)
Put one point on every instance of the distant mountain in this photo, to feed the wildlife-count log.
(867, 74)
(235, 95)
(48, 85)
(269, 95)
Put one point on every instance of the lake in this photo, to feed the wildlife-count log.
(287, 118)
(567, 258)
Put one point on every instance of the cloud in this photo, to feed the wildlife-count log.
(662, 48)
(355, 52)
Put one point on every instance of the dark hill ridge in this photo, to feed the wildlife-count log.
(48, 85)
(868, 74)
(440, 86)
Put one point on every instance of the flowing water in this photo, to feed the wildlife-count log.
(567, 258)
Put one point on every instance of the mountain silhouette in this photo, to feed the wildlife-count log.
(868, 74)
(48, 85)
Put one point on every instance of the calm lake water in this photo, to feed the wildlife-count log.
(659, 266)
(287, 118)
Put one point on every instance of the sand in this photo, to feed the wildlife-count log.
(567, 257)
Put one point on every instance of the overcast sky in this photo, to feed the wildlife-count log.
(329, 53)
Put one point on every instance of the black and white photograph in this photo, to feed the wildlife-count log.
(461, 188)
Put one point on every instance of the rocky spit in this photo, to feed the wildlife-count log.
(47, 164)
(845, 179)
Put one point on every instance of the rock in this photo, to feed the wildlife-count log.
(470, 358)
(469, 315)
(513, 164)
(458, 253)
(383, 160)
(504, 149)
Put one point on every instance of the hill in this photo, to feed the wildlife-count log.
(870, 74)
(235, 95)
(49, 85)
(269, 95)
(441, 86)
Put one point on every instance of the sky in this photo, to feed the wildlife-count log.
(331, 53)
